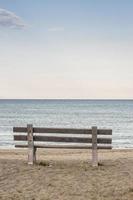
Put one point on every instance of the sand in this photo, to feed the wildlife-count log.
(66, 175)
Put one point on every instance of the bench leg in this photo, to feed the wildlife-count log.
(94, 147)
(30, 156)
(94, 158)
(34, 158)
(30, 144)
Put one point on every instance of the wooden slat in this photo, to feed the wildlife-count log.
(63, 139)
(20, 129)
(104, 131)
(64, 146)
(62, 130)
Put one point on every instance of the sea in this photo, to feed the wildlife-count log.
(114, 114)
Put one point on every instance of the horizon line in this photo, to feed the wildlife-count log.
(66, 99)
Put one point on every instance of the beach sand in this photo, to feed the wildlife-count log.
(66, 175)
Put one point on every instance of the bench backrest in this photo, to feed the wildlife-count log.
(63, 137)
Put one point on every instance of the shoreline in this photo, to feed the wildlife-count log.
(65, 154)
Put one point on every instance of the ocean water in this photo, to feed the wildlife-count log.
(114, 114)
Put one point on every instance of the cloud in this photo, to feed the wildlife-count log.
(56, 29)
(9, 19)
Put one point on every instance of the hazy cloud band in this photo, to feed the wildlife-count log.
(9, 19)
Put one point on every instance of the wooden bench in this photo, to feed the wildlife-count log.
(36, 137)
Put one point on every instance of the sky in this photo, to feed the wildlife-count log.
(68, 49)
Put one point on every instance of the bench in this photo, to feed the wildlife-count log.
(35, 137)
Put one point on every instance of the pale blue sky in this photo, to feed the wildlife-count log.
(66, 49)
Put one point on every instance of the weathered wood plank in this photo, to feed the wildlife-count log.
(53, 130)
(63, 146)
(94, 147)
(104, 131)
(20, 129)
(30, 144)
(63, 130)
(63, 139)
